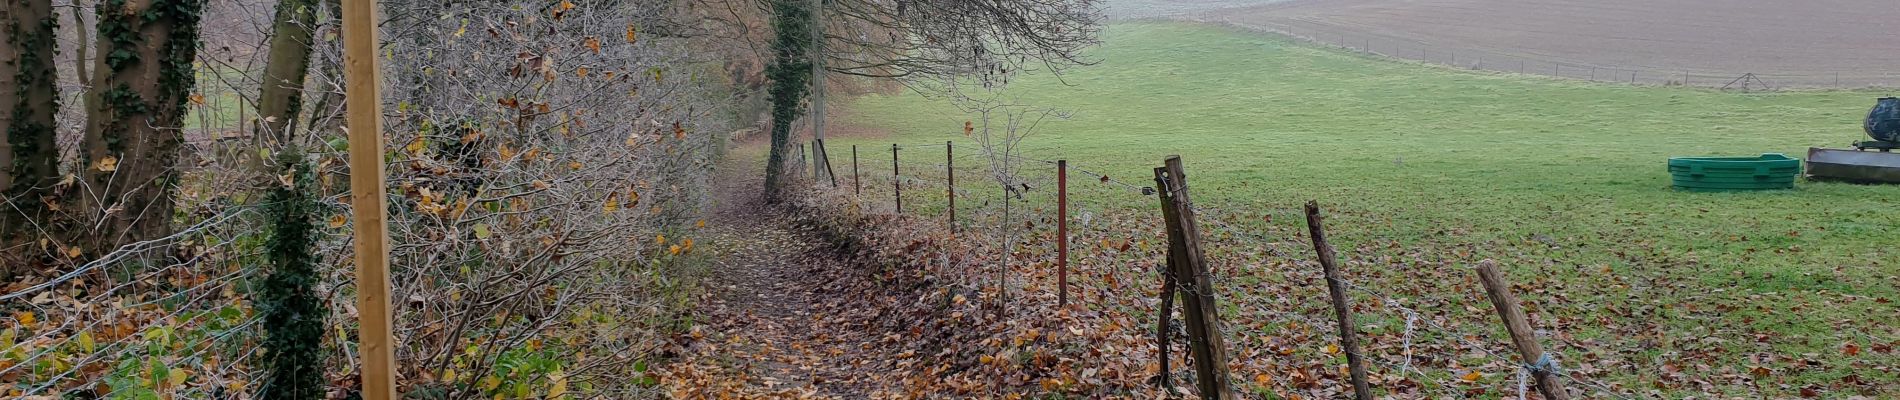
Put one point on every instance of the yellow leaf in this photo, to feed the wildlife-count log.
(611, 204)
(73, 252)
(337, 221)
(674, 249)
(633, 35)
(490, 383)
(86, 343)
(660, 239)
(1471, 377)
(539, 184)
(1332, 349)
(557, 384)
(702, 223)
(198, 99)
(592, 43)
(26, 318)
(176, 377)
(986, 359)
(574, 165)
(107, 164)
(449, 375)
(580, 72)
(1263, 379)
(415, 146)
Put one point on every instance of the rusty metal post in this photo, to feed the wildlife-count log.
(1062, 232)
(950, 170)
(897, 184)
(857, 185)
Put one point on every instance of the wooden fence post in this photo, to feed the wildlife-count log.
(1189, 267)
(1062, 232)
(897, 185)
(1336, 286)
(1521, 334)
(368, 201)
(824, 159)
(857, 185)
(950, 171)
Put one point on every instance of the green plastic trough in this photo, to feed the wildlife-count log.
(1769, 171)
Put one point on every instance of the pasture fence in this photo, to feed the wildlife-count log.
(1495, 61)
(1035, 209)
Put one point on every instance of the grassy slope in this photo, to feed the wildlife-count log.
(1425, 149)
(1446, 159)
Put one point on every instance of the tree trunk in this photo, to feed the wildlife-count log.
(280, 96)
(28, 156)
(790, 73)
(143, 79)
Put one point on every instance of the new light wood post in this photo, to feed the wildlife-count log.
(368, 200)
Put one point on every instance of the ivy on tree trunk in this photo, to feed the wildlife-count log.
(29, 163)
(790, 73)
(130, 149)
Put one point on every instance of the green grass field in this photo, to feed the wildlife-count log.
(1441, 160)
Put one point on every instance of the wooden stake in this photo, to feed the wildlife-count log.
(1062, 232)
(368, 201)
(950, 171)
(824, 158)
(897, 186)
(1522, 336)
(1337, 287)
(1189, 267)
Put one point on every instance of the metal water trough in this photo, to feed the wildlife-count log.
(1853, 165)
(1871, 161)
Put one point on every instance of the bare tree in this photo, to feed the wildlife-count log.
(928, 45)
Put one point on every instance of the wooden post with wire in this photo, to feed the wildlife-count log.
(1189, 267)
(368, 201)
(950, 172)
(1522, 336)
(1336, 286)
(1062, 232)
(897, 184)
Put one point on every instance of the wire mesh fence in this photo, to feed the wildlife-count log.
(165, 318)
(1424, 335)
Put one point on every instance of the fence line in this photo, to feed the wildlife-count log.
(1336, 37)
(921, 174)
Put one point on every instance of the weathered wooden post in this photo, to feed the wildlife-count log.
(1189, 267)
(1062, 232)
(824, 158)
(950, 171)
(1525, 339)
(897, 184)
(1336, 286)
(368, 201)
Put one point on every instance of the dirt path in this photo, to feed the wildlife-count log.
(768, 328)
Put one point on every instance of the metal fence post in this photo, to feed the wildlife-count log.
(950, 172)
(1062, 232)
(897, 184)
